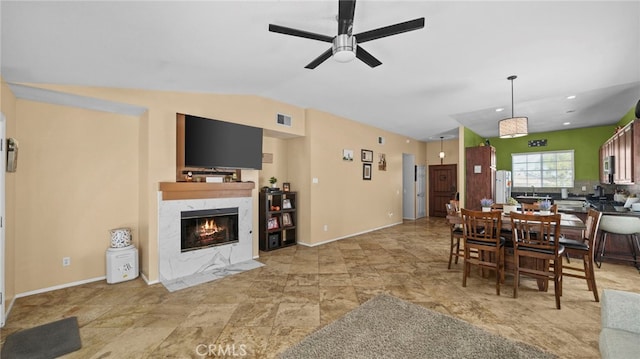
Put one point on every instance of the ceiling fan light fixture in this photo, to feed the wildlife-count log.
(344, 48)
(513, 126)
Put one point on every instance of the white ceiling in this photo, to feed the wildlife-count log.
(453, 72)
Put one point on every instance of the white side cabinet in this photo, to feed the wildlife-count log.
(122, 264)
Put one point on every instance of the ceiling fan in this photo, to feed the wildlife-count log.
(346, 45)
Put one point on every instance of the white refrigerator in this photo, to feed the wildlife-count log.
(503, 186)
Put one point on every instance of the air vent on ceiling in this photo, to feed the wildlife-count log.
(283, 120)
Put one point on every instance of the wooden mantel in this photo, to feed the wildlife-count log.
(197, 190)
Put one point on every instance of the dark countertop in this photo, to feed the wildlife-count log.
(604, 204)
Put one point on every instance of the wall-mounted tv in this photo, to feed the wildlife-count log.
(211, 143)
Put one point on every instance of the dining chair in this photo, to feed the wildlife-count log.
(535, 207)
(536, 253)
(456, 235)
(482, 234)
(583, 249)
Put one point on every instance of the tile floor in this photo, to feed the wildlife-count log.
(261, 312)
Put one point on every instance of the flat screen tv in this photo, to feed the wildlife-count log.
(211, 143)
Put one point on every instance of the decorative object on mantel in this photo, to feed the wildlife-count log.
(513, 126)
(120, 237)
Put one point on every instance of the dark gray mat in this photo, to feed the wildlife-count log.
(388, 327)
(43, 342)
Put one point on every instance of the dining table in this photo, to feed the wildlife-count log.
(568, 221)
(570, 226)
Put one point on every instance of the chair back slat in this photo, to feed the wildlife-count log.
(482, 226)
(536, 231)
(535, 207)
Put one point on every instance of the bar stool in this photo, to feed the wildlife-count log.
(622, 225)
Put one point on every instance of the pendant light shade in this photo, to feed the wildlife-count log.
(441, 154)
(513, 126)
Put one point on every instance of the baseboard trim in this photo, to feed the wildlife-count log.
(347, 236)
(61, 286)
(146, 280)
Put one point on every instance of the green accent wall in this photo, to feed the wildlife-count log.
(628, 118)
(585, 142)
(472, 139)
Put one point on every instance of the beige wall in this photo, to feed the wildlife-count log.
(8, 108)
(312, 147)
(341, 199)
(77, 178)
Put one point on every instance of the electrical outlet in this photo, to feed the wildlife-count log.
(66, 261)
(326, 227)
(584, 188)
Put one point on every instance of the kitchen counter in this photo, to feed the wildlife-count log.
(581, 204)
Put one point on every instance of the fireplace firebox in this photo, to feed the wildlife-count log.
(208, 228)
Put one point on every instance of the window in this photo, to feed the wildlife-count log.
(543, 169)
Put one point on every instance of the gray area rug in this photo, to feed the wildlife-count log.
(43, 342)
(388, 327)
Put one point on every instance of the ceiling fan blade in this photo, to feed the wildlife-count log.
(299, 33)
(366, 57)
(390, 30)
(346, 11)
(320, 59)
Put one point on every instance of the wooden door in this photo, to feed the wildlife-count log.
(443, 181)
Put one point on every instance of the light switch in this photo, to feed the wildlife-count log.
(315, 180)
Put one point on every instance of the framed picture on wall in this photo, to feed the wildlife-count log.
(347, 155)
(367, 155)
(366, 171)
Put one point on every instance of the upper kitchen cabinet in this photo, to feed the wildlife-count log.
(480, 175)
(620, 154)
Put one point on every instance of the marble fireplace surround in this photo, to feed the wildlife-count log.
(178, 269)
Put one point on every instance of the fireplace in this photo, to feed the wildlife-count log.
(208, 228)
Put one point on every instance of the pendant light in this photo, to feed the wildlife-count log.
(513, 126)
(441, 154)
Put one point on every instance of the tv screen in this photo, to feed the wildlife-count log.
(217, 144)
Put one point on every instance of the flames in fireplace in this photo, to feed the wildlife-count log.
(201, 229)
(209, 228)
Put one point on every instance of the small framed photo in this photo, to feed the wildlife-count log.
(286, 220)
(366, 171)
(382, 162)
(347, 155)
(273, 223)
(367, 155)
(286, 186)
(286, 203)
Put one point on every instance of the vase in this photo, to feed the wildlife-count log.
(120, 237)
(545, 213)
(508, 208)
(486, 209)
